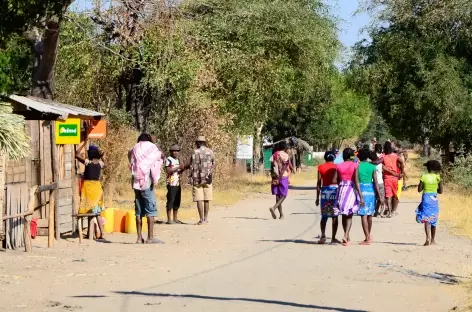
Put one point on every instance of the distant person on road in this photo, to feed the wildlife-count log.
(174, 170)
(281, 168)
(393, 170)
(146, 163)
(428, 210)
(369, 188)
(339, 157)
(348, 198)
(202, 167)
(380, 203)
(327, 190)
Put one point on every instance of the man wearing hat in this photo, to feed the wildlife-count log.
(174, 192)
(202, 166)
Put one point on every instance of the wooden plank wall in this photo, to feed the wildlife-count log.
(37, 170)
(17, 202)
(2, 196)
(65, 194)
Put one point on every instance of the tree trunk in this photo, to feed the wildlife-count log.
(257, 148)
(426, 148)
(46, 53)
(447, 152)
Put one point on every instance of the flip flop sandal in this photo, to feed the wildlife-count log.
(169, 222)
(200, 223)
(364, 243)
(371, 239)
(154, 241)
(178, 222)
(322, 241)
(141, 242)
(345, 244)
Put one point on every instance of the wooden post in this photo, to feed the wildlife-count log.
(75, 189)
(27, 225)
(55, 173)
(52, 204)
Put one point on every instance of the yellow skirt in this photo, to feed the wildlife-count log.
(400, 186)
(91, 200)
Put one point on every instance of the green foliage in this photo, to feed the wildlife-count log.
(377, 128)
(417, 70)
(262, 53)
(461, 172)
(17, 16)
(16, 64)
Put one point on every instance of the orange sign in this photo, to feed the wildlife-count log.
(97, 129)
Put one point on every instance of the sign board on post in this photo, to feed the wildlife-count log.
(244, 149)
(68, 132)
(97, 129)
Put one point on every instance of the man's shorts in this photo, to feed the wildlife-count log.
(202, 192)
(391, 188)
(174, 196)
(145, 204)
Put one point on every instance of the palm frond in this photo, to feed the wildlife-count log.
(14, 142)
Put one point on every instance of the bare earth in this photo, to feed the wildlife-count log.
(244, 261)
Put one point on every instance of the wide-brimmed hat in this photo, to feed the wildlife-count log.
(175, 148)
(201, 138)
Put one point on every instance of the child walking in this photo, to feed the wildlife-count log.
(428, 210)
(174, 191)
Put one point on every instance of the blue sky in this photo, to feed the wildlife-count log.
(351, 23)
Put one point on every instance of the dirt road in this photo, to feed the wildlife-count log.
(244, 261)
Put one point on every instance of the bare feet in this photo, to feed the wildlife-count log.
(427, 243)
(140, 241)
(273, 213)
(433, 243)
(281, 217)
(322, 240)
(335, 241)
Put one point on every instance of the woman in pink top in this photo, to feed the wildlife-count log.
(349, 197)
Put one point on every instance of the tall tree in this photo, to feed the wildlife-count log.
(417, 69)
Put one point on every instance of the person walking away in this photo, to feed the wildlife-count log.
(369, 188)
(327, 190)
(392, 172)
(92, 193)
(281, 173)
(174, 170)
(146, 163)
(348, 198)
(428, 210)
(380, 202)
(202, 166)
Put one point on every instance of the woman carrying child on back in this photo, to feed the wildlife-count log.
(428, 210)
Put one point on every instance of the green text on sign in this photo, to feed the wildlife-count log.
(68, 130)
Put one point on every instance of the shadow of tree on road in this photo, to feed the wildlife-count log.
(246, 218)
(296, 241)
(266, 301)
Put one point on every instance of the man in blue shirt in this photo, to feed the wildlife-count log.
(339, 157)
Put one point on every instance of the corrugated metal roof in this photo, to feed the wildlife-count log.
(62, 111)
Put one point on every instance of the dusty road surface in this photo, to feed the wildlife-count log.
(244, 261)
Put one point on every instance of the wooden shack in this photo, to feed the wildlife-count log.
(47, 163)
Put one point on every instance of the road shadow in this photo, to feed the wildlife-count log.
(229, 299)
(303, 213)
(301, 188)
(443, 278)
(89, 296)
(398, 243)
(295, 241)
(247, 218)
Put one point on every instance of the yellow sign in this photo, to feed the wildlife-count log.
(68, 132)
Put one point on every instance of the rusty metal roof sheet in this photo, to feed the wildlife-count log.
(47, 107)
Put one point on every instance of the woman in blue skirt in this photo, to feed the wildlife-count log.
(428, 210)
(369, 188)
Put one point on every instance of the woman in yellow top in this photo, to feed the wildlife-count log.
(428, 210)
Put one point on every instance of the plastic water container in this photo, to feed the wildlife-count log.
(119, 225)
(131, 222)
(109, 216)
